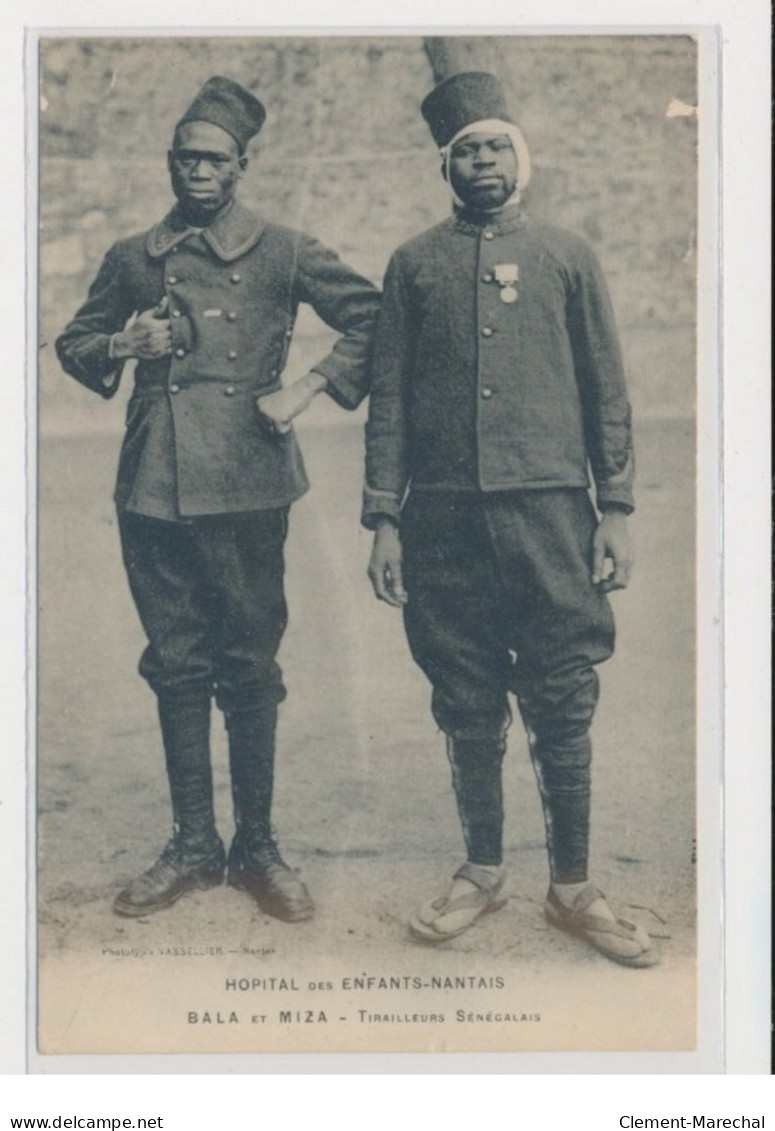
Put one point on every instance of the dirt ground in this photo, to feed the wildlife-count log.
(363, 801)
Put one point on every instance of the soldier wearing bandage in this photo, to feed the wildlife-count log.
(497, 386)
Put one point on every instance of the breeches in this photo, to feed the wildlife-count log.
(210, 597)
(500, 599)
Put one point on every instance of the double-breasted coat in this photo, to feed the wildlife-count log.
(195, 444)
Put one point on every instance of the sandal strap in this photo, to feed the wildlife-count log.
(447, 906)
(480, 878)
(578, 918)
(586, 898)
(619, 927)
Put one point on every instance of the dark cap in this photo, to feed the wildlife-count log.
(471, 96)
(227, 104)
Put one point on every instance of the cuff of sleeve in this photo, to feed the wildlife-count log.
(109, 383)
(378, 506)
(615, 500)
(345, 392)
(106, 384)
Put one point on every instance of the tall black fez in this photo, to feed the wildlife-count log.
(471, 96)
(227, 104)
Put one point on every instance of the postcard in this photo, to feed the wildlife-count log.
(256, 781)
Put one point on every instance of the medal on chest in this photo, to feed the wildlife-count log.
(506, 275)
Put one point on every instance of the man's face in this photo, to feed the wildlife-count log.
(205, 167)
(483, 170)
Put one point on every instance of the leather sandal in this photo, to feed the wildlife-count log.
(428, 923)
(619, 940)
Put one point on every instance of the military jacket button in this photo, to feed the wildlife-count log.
(487, 278)
(487, 331)
(232, 316)
(176, 314)
(172, 280)
(488, 235)
(486, 393)
(232, 355)
(180, 352)
(289, 333)
(229, 391)
(174, 388)
(236, 277)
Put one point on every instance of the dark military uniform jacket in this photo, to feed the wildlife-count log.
(195, 443)
(474, 393)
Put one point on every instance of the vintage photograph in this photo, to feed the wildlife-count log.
(366, 655)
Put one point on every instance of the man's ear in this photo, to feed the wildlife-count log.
(444, 169)
(243, 164)
(169, 160)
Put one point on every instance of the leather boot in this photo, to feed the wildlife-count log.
(476, 763)
(255, 863)
(194, 857)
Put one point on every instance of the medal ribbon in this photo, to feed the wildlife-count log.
(506, 273)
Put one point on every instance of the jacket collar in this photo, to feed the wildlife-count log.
(233, 234)
(473, 224)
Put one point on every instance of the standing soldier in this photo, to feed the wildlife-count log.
(497, 379)
(206, 301)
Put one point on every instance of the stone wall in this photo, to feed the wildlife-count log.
(346, 155)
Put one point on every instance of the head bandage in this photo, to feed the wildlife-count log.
(493, 126)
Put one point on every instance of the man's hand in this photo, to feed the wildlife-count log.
(147, 336)
(612, 541)
(282, 407)
(385, 565)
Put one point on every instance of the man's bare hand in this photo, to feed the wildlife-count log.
(282, 407)
(612, 543)
(385, 566)
(146, 337)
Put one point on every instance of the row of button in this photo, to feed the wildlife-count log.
(230, 317)
(229, 391)
(487, 331)
(232, 355)
(180, 352)
(173, 279)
